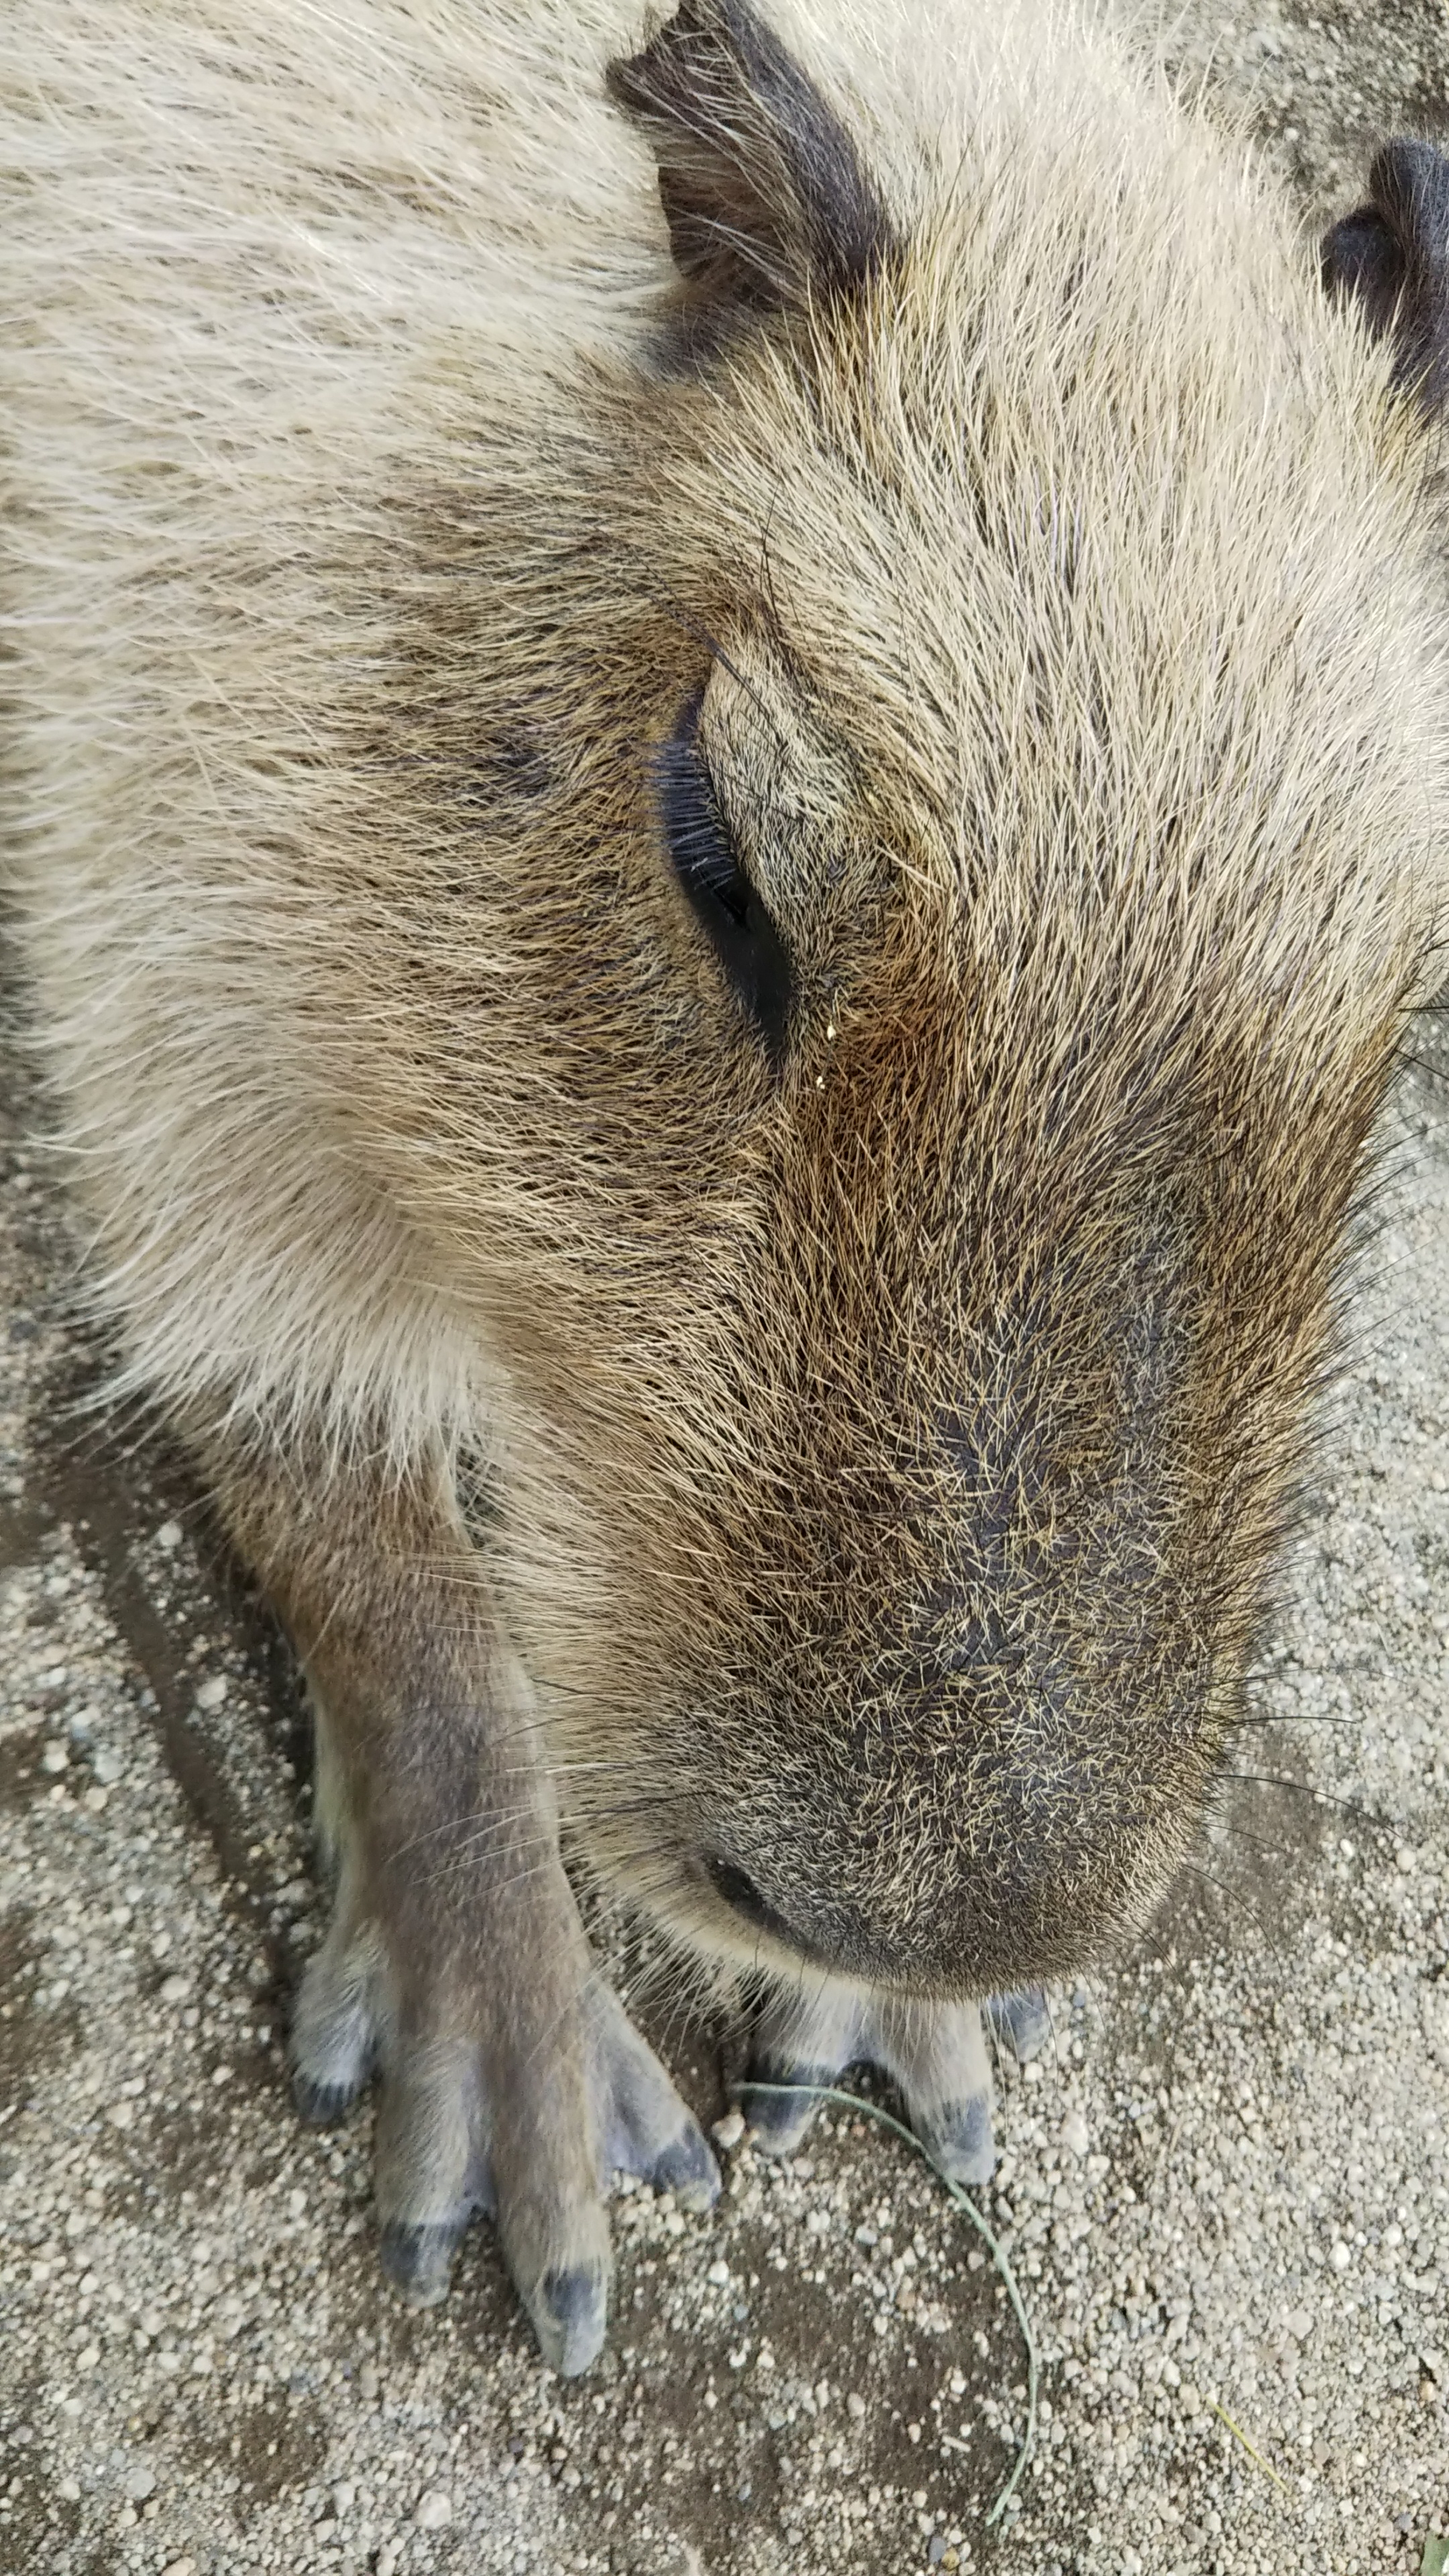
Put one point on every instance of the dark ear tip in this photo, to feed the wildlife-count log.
(760, 181)
(1391, 255)
(1409, 188)
(1407, 173)
(1360, 256)
(693, 23)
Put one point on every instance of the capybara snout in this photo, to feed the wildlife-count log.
(981, 1628)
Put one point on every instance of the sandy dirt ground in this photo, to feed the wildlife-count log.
(1225, 2187)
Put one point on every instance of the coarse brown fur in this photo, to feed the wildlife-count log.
(884, 1423)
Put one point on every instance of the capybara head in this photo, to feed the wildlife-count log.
(959, 761)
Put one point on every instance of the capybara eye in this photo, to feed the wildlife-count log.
(725, 902)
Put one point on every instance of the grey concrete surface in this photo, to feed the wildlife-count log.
(1226, 2188)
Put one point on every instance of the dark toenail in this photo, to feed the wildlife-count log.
(321, 2105)
(570, 2295)
(959, 2140)
(1023, 2018)
(966, 2126)
(688, 2169)
(418, 2259)
(575, 2303)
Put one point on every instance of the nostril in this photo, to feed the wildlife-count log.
(743, 1897)
(736, 1887)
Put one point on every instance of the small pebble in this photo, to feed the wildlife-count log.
(434, 2510)
(55, 1756)
(138, 2481)
(168, 1536)
(212, 1692)
(728, 2132)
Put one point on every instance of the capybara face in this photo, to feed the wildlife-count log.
(947, 793)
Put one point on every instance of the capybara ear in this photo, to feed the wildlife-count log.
(1392, 254)
(764, 192)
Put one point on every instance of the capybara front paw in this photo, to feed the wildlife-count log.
(935, 2053)
(522, 2111)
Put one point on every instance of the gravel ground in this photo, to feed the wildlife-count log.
(1226, 2188)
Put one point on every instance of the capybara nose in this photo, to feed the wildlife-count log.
(824, 1927)
(748, 1901)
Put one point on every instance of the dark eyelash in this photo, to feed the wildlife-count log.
(725, 902)
(701, 851)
